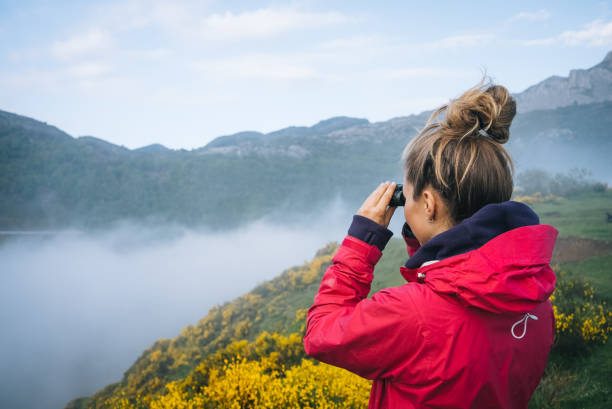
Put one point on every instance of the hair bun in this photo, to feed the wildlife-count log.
(500, 124)
(491, 109)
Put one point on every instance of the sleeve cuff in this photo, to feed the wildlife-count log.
(407, 232)
(370, 232)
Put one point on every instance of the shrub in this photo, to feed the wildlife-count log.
(241, 383)
(581, 320)
(574, 182)
(537, 197)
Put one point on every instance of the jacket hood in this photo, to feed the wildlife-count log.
(496, 260)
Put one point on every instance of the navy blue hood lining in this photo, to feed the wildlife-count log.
(487, 223)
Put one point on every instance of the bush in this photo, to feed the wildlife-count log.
(600, 187)
(537, 198)
(581, 320)
(241, 383)
(574, 182)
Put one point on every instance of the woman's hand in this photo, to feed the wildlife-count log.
(376, 206)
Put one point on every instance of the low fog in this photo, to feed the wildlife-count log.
(77, 309)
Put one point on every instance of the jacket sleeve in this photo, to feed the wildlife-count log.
(369, 337)
(412, 244)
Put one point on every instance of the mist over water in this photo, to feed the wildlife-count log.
(77, 309)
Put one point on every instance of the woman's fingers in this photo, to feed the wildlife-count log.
(386, 196)
(375, 206)
(374, 197)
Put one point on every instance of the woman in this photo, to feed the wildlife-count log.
(472, 327)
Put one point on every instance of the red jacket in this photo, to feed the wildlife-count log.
(472, 330)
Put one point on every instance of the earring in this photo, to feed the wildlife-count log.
(430, 220)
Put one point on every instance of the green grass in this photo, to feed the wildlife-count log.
(597, 270)
(581, 381)
(576, 382)
(583, 216)
(387, 272)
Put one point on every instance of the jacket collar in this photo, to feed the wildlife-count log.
(495, 260)
(488, 222)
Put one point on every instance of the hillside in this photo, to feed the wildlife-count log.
(258, 326)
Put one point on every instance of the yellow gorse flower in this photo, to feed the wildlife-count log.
(272, 371)
(577, 315)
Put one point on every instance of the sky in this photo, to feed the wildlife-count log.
(182, 72)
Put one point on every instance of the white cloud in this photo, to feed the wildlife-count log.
(264, 23)
(260, 66)
(88, 70)
(540, 41)
(419, 72)
(24, 55)
(93, 41)
(354, 43)
(531, 16)
(173, 15)
(189, 19)
(151, 54)
(32, 79)
(360, 47)
(415, 104)
(596, 33)
(458, 41)
(389, 48)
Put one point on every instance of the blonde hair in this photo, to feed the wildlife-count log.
(468, 167)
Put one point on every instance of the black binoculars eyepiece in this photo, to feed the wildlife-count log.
(398, 198)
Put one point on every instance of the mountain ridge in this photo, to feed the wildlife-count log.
(50, 180)
(581, 86)
(551, 93)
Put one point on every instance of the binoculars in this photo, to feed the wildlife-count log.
(398, 198)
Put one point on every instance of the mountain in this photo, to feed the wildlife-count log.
(48, 179)
(88, 182)
(31, 129)
(580, 87)
(153, 148)
(294, 141)
(303, 141)
(51, 180)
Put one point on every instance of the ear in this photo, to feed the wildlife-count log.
(430, 201)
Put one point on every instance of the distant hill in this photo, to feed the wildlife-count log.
(580, 87)
(49, 179)
(50, 182)
(155, 147)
